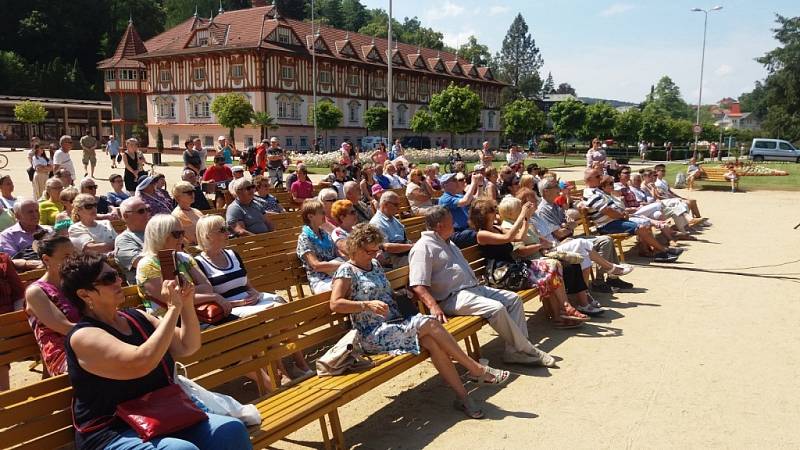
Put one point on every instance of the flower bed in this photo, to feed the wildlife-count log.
(426, 156)
(749, 169)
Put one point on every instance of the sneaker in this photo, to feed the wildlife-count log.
(590, 310)
(543, 358)
(600, 286)
(675, 250)
(665, 257)
(619, 283)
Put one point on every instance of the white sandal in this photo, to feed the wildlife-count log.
(620, 270)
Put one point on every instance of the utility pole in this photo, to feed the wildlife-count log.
(389, 78)
(702, 64)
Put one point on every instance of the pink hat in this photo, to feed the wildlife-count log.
(377, 189)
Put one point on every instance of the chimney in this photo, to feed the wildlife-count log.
(736, 108)
(259, 3)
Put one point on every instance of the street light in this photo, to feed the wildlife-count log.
(702, 63)
(389, 77)
(314, 36)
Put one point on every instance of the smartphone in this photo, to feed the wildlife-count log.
(168, 259)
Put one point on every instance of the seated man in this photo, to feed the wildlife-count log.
(104, 209)
(200, 201)
(244, 215)
(609, 219)
(663, 191)
(128, 244)
(457, 202)
(441, 277)
(551, 222)
(17, 240)
(693, 173)
(352, 192)
(396, 246)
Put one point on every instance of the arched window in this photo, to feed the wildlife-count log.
(289, 106)
(354, 108)
(402, 114)
(490, 120)
(165, 107)
(199, 106)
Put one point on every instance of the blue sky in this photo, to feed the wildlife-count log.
(617, 49)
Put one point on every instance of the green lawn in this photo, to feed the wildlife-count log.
(789, 182)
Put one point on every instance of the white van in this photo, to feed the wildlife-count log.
(372, 142)
(773, 150)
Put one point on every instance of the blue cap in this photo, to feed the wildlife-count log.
(562, 184)
(144, 182)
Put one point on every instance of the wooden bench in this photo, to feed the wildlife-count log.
(716, 174)
(618, 238)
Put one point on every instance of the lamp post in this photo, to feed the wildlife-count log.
(389, 78)
(314, 76)
(702, 63)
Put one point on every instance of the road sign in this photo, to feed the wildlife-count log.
(697, 128)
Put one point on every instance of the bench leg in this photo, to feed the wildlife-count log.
(476, 346)
(326, 439)
(620, 252)
(336, 426)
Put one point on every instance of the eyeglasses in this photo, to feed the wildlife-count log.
(625, 173)
(116, 180)
(140, 211)
(372, 251)
(328, 200)
(395, 204)
(91, 187)
(177, 234)
(188, 192)
(106, 279)
(90, 206)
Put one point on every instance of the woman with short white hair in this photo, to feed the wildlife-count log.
(328, 196)
(183, 192)
(88, 234)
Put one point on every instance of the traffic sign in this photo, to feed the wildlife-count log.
(697, 128)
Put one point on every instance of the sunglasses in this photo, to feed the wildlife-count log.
(141, 210)
(106, 279)
(625, 173)
(329, 200)
(90, 206)
(177, 234)
(188, 192)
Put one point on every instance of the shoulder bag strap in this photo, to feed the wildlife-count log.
(146, 336)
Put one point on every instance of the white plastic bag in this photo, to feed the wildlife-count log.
(680, 180)
(215, 403)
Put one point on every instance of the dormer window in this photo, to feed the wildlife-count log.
(284, 35)
(373, 55)
(202, 38)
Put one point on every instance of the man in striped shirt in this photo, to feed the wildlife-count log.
(611, 219)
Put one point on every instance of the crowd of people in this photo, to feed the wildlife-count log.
(521, 218)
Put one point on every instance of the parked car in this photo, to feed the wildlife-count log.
(773, 150)
(372, 142)
(418, 142)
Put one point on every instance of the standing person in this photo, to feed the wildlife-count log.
(61, 158)
(396, 151)
(132, 159)
(112, 148)
(642, 150)
(275, 162)
(379, 156)
(515, 157)
(486, 154)
(225, 150)
(42, 168)
(595, 154)
(261, 158)
(192, 159)
(668, 148)
(89, 145)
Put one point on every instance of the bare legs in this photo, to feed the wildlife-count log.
(648, 241)
(441, 345)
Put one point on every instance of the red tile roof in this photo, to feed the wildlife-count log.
(130, 45)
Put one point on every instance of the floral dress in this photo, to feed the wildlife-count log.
(393, 334)
(50, 342)
(322, 247)
(545, 273)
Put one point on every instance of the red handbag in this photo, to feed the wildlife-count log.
(157, 413)
(209, 313)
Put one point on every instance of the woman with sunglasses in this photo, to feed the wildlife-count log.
(164, 232)
(262, 195)
(50, 314)
(315, 247)
(361, 289)
(117, 195)
(184, 193)
(328, 197)
(344, 212)
(115, 356)
(88, 234)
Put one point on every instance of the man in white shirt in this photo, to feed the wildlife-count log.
(61, 159)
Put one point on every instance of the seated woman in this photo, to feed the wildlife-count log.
(497, 244)
(301, 189)
(361, 289)
(418, 192)
(607, 185)
(366, 182)
(693, 173)
(344, 213)
(50, 205)
(227, 274)
(641, 186)
(328, 196)
(262, 194)
(184, 193)
(490, 189)
(116, 356)
(88, 234)
(64, 218)
(50, 314)
(164, 232)
(315, 247)
(151, 195)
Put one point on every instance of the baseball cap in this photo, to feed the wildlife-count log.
(221, 138)
(237, 169)
(447, 177)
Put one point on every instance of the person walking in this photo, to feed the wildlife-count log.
(89, 145)
(112, 148)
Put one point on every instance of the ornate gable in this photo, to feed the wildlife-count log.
(371, 53)
(455, 68)
(437, 64)
(345, 48)
(319, 44)
(418, 61)
(283, 35)
(397, 58)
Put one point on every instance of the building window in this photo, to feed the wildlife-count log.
(353, 108)
(490, 120)
(208, 141)
(289, 142)
(128, 74)
(353, 79)
(325, 76)
(303, 141)
(402, 86)
(289, 107)
(402, 114)
(284, 35)
(199, 106)
(111, 75)
(165, 107)
(287, 72)
(332, 142)
(176, 140)
(199, 73)
(237, 71)
(424, 89)
(165, 76)
(143, 75)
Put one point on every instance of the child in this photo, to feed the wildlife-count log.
(732, 177)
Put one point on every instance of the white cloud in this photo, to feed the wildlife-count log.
(723, 70)
(447, 9)
(615, 9)
(457, 39)
(498, 9)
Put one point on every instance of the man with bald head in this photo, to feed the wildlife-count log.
(128, 244)
(611, 219)
(200, 201)
(17, 240)
(396, 245)
(352, 192)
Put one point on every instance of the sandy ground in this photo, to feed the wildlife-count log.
(703, 354)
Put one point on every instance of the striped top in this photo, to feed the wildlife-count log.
(230, 281)
(596, 201)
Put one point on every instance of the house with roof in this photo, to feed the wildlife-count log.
(169, 81)
(732, 117)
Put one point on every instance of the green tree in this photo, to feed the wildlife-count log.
(263, 121)
(549, 85)
(232, 111)
(412, 32)
(627, 126)
(667, 96)
(679, 130)
(330, 12)
(355, 15)
(782, 85)
(422, 122)
(755, 101)
(328, 116)
(655, 124)
(565, 88)
(30, 113)
(376, 118)
(475, 52)
(600, 120)
(522, 119)
(456, 109)
(567, 118)
(520, 60)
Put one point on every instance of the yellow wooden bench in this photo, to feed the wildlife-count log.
(716, 174)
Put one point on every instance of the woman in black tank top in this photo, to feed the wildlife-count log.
(131, 161)
(108, 363)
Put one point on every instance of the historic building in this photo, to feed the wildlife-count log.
(169, 81)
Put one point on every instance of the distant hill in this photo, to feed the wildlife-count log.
(614, 103)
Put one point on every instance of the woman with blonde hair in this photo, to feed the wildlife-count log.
(361, 289)
(183, 192)
(418, 191)
(64, 218)
(88, 234)
(51, 205)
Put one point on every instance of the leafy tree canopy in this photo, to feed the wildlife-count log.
(232, 111)
(456, 109)
(422, 122)
(600, 121)
(328, 115)
(376, 118)
(567, 118)
(522, 119)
